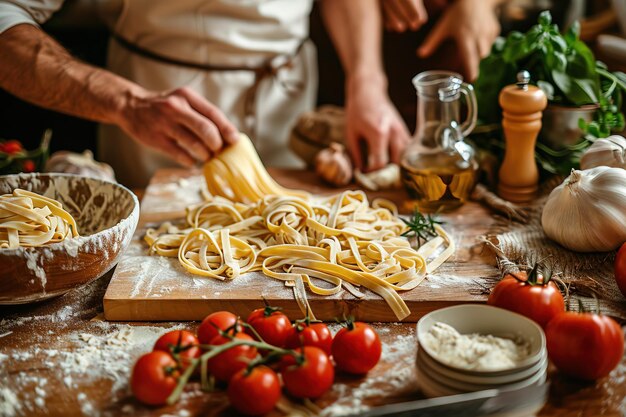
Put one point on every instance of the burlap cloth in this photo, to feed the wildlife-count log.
(586, 275)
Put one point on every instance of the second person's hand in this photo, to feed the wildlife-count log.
(473, 25)
(373, 123)
(402, 15)
(180, 124)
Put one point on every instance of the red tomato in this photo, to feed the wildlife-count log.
(254, 393)
(584, 345)
(28, 166)
(181, 344)
(272, 325)
(213, 323)
(154, 377)
(356, 348)
(12, 147)
(620, 269)
(315, 334)
(231, 361)
(530, 297)
(312, 377)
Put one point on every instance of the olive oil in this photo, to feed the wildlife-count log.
(441, 186)
(439, 167)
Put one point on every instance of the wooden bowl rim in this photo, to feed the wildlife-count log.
(134, 213)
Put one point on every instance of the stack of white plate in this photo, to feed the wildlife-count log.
(437, 378)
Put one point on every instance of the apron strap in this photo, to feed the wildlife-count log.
(270, 68)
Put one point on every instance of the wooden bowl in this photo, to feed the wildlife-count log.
(106, 214)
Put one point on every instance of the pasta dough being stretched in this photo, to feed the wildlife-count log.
(250, 223)
(29, 219)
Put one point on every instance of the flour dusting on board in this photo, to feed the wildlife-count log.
(175, 195)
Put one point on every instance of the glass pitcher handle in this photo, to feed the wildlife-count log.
(470, 101)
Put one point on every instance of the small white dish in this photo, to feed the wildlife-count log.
(463, 386)
(484, 319)
(451, 373)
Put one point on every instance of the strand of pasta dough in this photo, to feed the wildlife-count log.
(325, 244)
(29, 219)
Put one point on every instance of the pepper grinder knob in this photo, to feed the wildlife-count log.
(522, 105)
(523, 78)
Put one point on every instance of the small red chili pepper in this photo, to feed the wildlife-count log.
(28, 166)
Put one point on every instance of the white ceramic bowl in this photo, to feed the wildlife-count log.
(483, 319)
(461, 385)
(486, 380)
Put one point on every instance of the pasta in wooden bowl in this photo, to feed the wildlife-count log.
(59, 231)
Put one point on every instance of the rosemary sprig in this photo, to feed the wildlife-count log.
(421, 227)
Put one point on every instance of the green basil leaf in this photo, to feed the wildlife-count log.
(558, 43)
(573, 33)
(545, 18)
(579, 91)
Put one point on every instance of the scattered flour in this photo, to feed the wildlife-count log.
(399, 354)
(104, 353)
(9, 404)
(474, 351)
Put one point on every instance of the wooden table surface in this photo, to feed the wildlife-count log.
(61, 358)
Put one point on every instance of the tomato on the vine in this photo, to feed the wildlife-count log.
(154, 378)
(272, 325)
(254, 392)
(181, 344)
(226, 364)
(11, 147)
(584, 345)
(531, 295)
(356, 348)
(213, 323)
(620, 269)
(309, 375)
(310, 334)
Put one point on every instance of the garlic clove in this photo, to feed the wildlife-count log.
(610, 152)
(382, 179)
(333, 165)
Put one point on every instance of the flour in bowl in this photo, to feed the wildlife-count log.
(474, 351)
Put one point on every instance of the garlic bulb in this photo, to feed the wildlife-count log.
(587, 213)
(333, 165)
(79, 164)
(610, 152)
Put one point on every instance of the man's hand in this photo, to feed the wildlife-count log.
(373, 123)
(401, 15)
(473, 25)
(181, 124)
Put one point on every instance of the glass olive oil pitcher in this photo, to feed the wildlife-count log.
(439, 169)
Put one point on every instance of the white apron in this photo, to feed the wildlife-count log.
(241, 33)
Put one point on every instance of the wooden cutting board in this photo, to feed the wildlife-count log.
(153, 288)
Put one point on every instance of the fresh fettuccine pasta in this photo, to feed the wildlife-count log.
(323, 244)
(29, 219)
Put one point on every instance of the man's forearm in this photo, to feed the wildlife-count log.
(355, 28)
(35, 68)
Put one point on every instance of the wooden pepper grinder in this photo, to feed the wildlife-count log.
(522, 107)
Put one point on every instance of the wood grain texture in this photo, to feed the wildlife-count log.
(152, 288)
